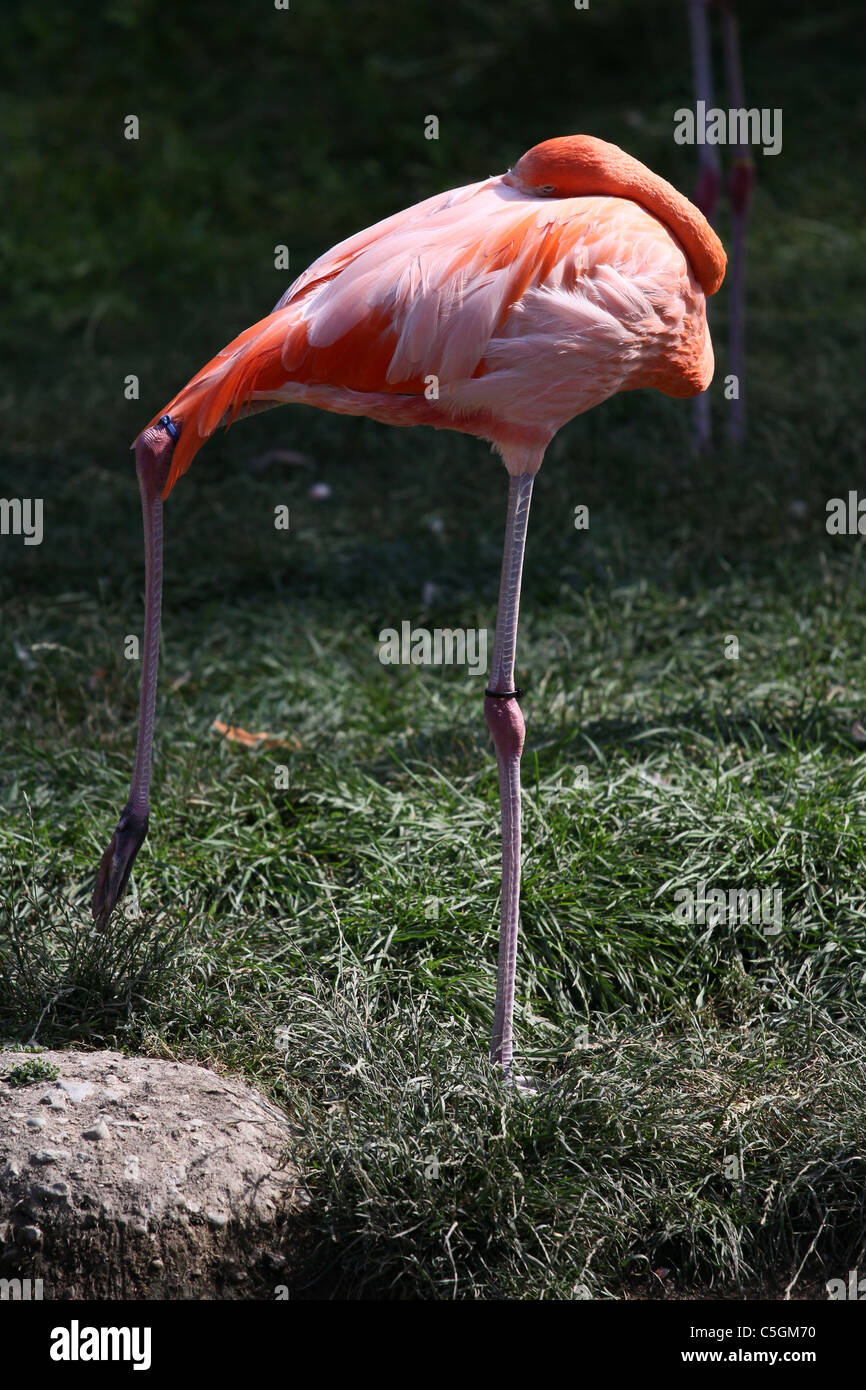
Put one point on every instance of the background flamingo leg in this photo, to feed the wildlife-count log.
(740, 190)
(709, 180)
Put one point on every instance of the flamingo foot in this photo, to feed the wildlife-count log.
(116, 864)
(524, 1084)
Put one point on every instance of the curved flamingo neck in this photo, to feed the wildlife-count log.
(574, 166)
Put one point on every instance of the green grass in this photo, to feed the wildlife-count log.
(336, 940)
(29, 1072)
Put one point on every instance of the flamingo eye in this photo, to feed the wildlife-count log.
(546, 188)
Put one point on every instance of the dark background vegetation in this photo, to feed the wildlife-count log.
(357, 910)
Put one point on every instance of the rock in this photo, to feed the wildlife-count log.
(76, 1090)
(57, 1190)
(97, 1131)
(175, 1196)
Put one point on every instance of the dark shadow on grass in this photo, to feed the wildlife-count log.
(714, 726)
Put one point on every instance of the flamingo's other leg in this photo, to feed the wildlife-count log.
(740, 190)
(153, 451)
(709, 176)
(505, 721)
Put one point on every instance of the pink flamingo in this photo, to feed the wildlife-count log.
(502, 310)
(740, 183)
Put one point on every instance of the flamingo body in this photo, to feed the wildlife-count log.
(493, 309)
(501, 309)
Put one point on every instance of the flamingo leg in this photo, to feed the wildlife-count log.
(709, 177)
(740, 190)
(153, 451)
(505, 720)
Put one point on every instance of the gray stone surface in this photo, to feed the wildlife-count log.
(136, 1177)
